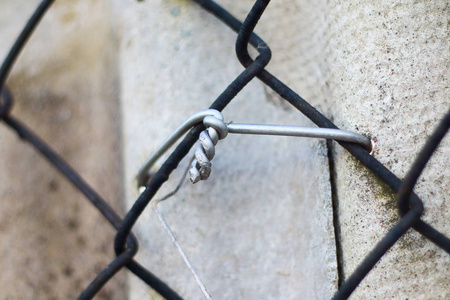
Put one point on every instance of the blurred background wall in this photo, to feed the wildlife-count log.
(53, 242)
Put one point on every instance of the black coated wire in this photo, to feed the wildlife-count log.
(6, 102)
(369, 161)
(377, 252)
(22, 39)
(183, 148)
(103, 207)
(320, 120)
(421, 161)
(125, 243)
(409, 215)
(7, 64)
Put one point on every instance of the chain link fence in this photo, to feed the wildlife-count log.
(410, 206)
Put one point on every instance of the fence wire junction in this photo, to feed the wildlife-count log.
(410, 206)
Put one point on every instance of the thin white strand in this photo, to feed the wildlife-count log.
(174, 239)
(185, 258)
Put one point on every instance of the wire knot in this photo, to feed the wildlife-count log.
(6, 102)
(216, 129)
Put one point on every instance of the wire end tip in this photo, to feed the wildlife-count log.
(143, 179)
(373, 146)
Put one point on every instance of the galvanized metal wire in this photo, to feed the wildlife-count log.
(218, 129)
(410, 205)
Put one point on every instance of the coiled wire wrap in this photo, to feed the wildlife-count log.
(205, 151)
(145, 173)
(217, 129)
(410, 205)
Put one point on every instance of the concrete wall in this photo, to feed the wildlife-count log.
(387, 70)
(53, 242)
(378, 68)
(262, 226)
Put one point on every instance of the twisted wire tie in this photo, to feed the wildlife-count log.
(205, 151)
(217, 129)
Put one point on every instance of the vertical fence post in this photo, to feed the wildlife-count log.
(387, 77)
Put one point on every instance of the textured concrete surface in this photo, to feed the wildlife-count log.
(53, 242)
(261, 226)
(386, 66)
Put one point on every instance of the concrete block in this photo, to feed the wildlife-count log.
(261, 226)
(387, 72)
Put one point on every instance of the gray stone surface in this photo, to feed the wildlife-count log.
(53, 242)
(386, 66)
(261, 226)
